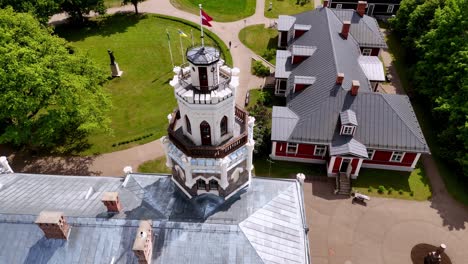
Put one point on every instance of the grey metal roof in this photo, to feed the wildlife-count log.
(372, 67)
(348, 117)
(304, 79)
(203, 55)
(364, 29)
(283, 122)
(283, 64)
(301, 50)
(347, 145)
(205, 229)
(285, 22)
(385, 121)
(302, 27)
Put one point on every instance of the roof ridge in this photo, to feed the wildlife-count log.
(335, 61)
(386, 96)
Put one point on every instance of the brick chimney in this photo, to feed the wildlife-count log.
(53, 224)
(355, 88)
(143, 245)
(361, 8)
(345, 29)
(339, 78)
(325, 3)
(112, 202)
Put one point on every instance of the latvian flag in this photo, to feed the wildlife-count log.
(205, 18)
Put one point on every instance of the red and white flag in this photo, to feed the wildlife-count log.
(205, 18)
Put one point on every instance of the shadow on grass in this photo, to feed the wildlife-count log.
(273, 43)
(398, 180)
(106, 25)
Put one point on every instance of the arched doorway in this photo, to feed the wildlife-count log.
(205, 132)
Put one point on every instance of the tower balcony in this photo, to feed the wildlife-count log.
(186, 145)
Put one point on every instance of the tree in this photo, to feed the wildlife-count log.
(78, 8)
(41, 9)
(400, 22)
(50, 95)
(134, 3)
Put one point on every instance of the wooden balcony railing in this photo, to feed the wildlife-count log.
(221, 151)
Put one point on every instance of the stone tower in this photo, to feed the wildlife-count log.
(210, 142)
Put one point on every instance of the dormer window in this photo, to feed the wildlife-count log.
(348, 122)
(347, 130)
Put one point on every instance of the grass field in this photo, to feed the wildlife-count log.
(155, 166)
(220, 11)
(142, 97)
(112, 3)
(405, 185)
(452, 183)
(260, 39)
(286, 7)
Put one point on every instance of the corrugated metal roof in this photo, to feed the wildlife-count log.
(285, 22)
(185, 231)
(348, 117)
(304, 80)
(301, 50)
(203, 55)
(364, 29)
(283, 122)
(283, 64)
(372, 67)
(346, 145)
(302, 27)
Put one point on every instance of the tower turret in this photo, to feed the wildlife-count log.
(208, 146)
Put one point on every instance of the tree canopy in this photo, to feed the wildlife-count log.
(134, 3)
(437, 32)
(49, 94)
(41, 9)
(78, 8)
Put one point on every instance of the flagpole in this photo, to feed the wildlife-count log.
(181, 48)
(170, 50)
(201, 26)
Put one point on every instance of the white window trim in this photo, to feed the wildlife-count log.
(373, 153)
(345, 127)
(390, 8)
(324, 150)
(339, 6)
(287, 148)
(401, 159)
(364, 51)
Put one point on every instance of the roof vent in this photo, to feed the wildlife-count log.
(143, 245)
(361, 8)
(345, 29)
(53, 224)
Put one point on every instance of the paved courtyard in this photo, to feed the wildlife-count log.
(384, 231)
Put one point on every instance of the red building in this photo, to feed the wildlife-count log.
(333, 115)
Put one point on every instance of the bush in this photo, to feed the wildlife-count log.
(269, 54)
(411, 194)
(258, 69)
(390, 190)
(400, 191)
(381, 189)
(370, 189)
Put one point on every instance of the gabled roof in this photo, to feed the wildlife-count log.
(299, 50)
(283, 122)
(348, 117)
(285, 22)
(364, 29)
(283, 64)
(185, 231)
(372, 67)
(346, 145)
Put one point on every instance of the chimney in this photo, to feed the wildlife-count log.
(53, 224)
(355, 88)
(143, 245)
(325, 3)
(361, 8)
(339, 78)
(112, 202)
(345, 29)
(4, 166)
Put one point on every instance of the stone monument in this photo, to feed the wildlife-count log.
(115, 70)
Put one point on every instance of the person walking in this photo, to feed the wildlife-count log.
(229, 44)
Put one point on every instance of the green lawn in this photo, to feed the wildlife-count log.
(260, 39)
(405, 185)
(112, 3)
(220, 11)
(286, 7)
(155, 166)
(284, 169)
(452, 182)
(142, 97)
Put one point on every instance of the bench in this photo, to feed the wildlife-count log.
(361, 197)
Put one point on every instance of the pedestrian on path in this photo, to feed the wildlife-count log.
(229, 44)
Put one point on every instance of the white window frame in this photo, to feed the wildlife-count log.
(390, 8)
(320, 148)
(399, 154)
(366, 52)
(371, 152)
(292, 145)
(347, 130)
(339, 6)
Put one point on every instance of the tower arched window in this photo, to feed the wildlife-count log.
(223, 126)
(205, 132)
(201, 185)
(213, 185)
(187, 125)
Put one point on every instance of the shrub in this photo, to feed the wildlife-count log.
(370, 189)
(269, 54)
(381, 189)
(390, 190)
(411, 194)
(400, 191)
(258, 69)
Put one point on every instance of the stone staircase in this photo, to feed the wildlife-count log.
(343, 184)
